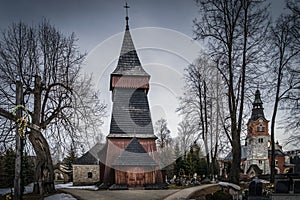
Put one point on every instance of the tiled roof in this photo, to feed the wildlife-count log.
(91, 157)
(131, 114)
(129, 63)
(277, 152)
(134, 155)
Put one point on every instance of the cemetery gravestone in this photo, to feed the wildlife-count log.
(282, 186)
(255, 188)
(296, 186)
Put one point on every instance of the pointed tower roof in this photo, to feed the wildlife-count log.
(134, 155)
(129, 84)
(257, 110)
(129, 62)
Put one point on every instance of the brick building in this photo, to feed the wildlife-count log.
(258, 149)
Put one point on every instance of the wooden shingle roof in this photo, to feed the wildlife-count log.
(129, 62)
(134, 155)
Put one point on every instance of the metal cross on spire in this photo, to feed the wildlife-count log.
(127, 18)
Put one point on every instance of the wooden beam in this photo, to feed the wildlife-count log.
(7, 115)
(10, 116)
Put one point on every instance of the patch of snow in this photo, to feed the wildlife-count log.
(227, 184)
(4, 191)
(28, 188)
(63, 196)
(70, 185)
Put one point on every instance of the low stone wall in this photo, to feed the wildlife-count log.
(86, 174)
(285, 196)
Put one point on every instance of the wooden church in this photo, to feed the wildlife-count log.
(131, 149)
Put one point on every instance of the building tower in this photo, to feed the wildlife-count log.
(257, 140)
(131, 147)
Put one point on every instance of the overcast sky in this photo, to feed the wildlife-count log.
(96, 20)
(161, 30)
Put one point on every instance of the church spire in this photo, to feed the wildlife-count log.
(129, 62)
(257, 110)
(126, 18)
(129, 66)
(257, 100)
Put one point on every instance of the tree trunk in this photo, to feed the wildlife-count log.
(236, 156)
(18, 163)
(272, 178)
(44, 174)
(206, 128)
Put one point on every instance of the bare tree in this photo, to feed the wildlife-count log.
(285, 73)
(292, 121)
(163, 133)
(201, 104)
(48, 65)
(235, 31)
(187, 131)
(165, 149)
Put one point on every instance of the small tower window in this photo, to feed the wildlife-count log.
(260, 128)
(260, 162)
(260, 140)
(90, 175)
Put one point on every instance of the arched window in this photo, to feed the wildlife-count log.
(260, 140)
(260, 128)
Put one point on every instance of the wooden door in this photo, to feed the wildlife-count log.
(135, 179)
(140, 179)
(131, 179)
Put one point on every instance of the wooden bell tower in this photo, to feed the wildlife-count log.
(131, 151)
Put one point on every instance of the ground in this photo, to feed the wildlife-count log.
(119, 194)
(55, 196)
(68, 192)
(200, 195)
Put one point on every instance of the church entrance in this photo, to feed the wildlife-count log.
(135, 179)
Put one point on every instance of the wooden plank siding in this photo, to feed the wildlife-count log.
(130, 82)
(135, 177)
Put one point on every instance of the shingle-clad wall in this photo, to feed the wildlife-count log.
(131, 113)
(80, 174)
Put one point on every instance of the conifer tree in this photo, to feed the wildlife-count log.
(9, 166)
(68, 161)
